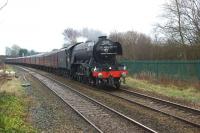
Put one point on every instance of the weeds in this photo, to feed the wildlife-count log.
(186, 92)
(13, 109)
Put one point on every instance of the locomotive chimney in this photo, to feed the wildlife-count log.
(102, 37)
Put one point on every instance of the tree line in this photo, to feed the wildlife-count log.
(176, 38)
(181, 21)
(138, 46)
(17, 51)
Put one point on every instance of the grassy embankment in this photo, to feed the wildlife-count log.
(184, 92)
(13, 108)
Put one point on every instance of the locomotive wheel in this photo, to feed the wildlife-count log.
(117, 83)
(99, 83)
(91, 82)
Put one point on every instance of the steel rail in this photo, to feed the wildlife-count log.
(164, 101)
(159, 100)
(79, 113)
(95, 101)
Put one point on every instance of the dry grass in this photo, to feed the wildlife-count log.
(13, 108)
(12, 86)
(195, 83)
(184, 92)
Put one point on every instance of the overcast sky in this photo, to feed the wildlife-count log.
(38, 24)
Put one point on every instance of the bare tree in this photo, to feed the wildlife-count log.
(70, 36)
(4, 5)
(139, 46)
(179, 22)
(172, 28)
(15, 50)
(8, 51)
(191, 13)
(135, 45)
(182, 21)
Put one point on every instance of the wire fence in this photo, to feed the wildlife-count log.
(178, 70)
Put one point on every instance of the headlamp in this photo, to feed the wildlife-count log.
(123, 74)
(100, 75)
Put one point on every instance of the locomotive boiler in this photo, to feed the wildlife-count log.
(103, 51)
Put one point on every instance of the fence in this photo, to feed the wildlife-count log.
(180, 70)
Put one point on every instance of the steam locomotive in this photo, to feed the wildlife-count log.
(90, 62)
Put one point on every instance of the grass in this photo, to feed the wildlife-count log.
(188, 93)
(8, 68)
(13, 108)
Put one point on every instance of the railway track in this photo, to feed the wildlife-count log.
(100, 116)
(183, 113)
(2, 80)
(178, 111)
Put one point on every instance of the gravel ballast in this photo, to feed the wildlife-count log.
(48, 113)
(158, 122)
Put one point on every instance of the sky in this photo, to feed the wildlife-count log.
(38, 24)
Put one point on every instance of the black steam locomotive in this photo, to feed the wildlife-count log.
(91, 62)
